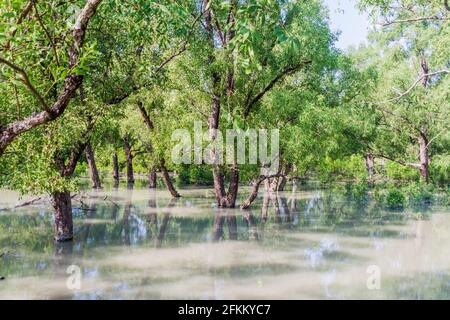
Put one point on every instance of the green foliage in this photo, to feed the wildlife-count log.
(399, 172)
(420, 194)
(440, 170)
(360, 191)
(193, 175)
(395, 199)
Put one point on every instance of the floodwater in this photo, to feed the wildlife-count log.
(140, 244)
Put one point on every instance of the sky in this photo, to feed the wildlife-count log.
(345, 17)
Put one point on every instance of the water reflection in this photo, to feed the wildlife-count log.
(139, 243)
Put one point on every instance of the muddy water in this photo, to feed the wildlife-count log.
(140, 244)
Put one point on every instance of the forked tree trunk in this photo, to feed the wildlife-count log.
(95, 178)
(152, 179)
(424, 157)
(115, 170)
(167, 181)
(370, 166)
(129, 157)
(62, 206)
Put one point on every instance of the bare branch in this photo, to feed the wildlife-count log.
(411, 165)
(416, 19)
(413, 86)
(270, 85)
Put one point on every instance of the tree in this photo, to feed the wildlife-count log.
(71, 76)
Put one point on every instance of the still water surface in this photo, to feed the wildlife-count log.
(140, 244)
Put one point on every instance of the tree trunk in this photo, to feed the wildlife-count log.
(62, 205)
(283, 179)
(219, 188)
(167, 181)
(424, 157)
(370, 165)
(234, 187)
(254, 193)
(152, 179)
(95, 178)
(129, 156)
(115, 170)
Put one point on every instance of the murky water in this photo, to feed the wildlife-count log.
(141, 244)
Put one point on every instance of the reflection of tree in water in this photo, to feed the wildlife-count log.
(219, 220)
(165, 220)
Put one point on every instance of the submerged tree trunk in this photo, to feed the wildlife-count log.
(115, 170)
(62, 206)
(424, 157)
(129, 156)
(152, 179)
(95, 178)
(370, 166)
(167, 181)
(233, 187)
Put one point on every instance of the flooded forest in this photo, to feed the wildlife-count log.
(223, 149)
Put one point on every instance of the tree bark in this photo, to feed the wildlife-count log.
(256, 184)
(129, 157)
(253, 194)
(283, 179)
(424, 157)
(233, 187)
(115, 170)
(152, 179)
(95, 178)
(167, 181)
(62, 206)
